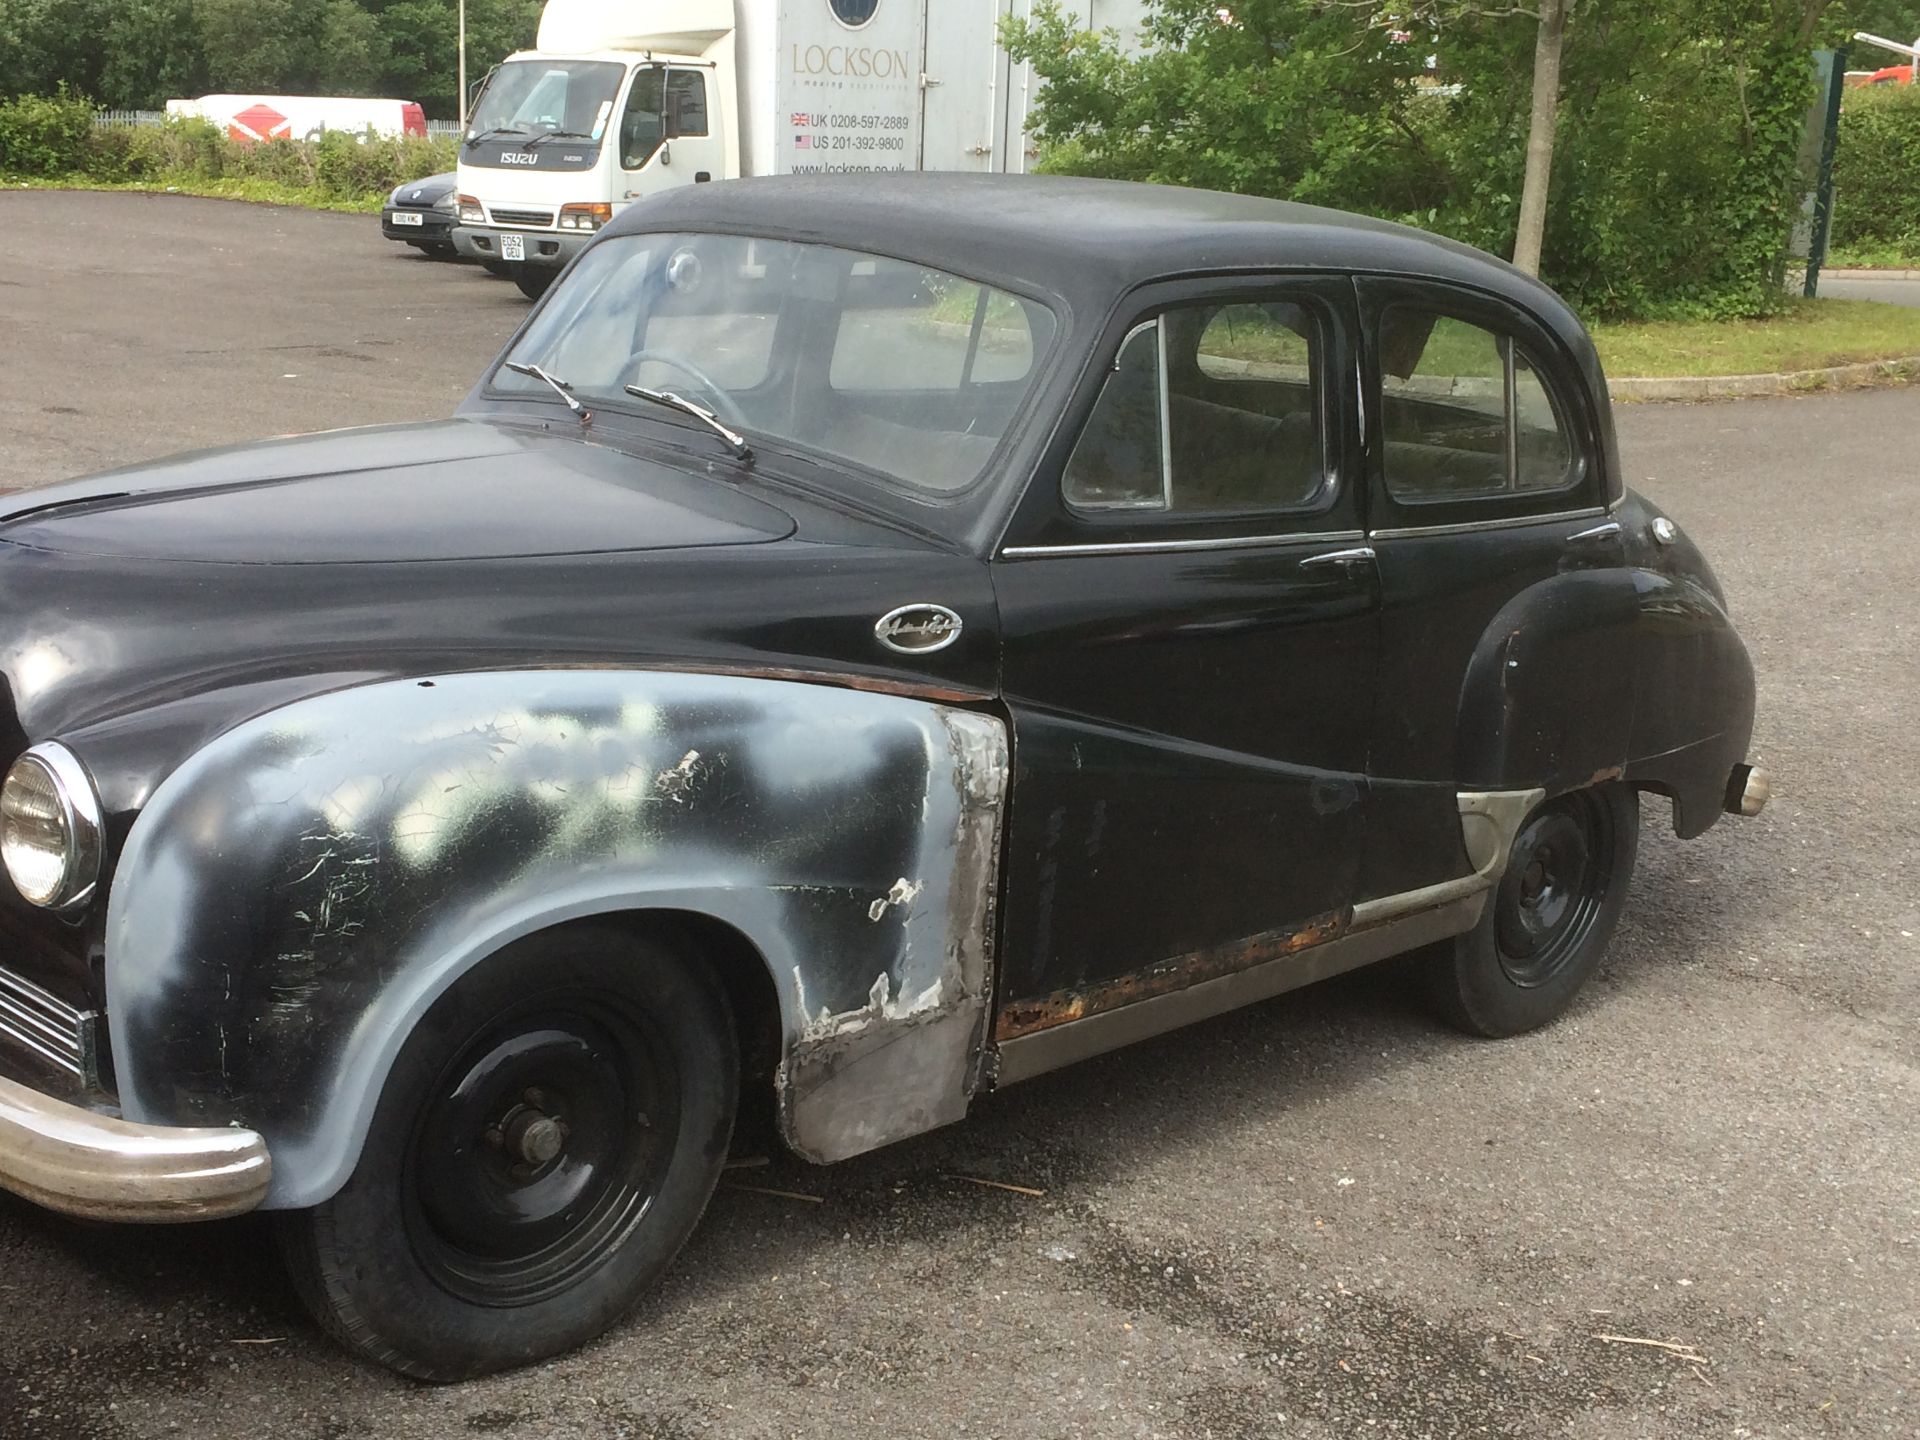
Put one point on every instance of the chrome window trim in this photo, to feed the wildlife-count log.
(1166, 415)
(1502, 522)
(1151, 547)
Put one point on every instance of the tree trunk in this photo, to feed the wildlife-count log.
(1547, 46)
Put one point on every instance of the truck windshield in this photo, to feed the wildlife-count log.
(909, 373)
(543, 97)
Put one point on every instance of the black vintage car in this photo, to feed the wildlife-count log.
(420, 213)
(871, 639)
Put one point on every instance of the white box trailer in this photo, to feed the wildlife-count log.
(623, 98)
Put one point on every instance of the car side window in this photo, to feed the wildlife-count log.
(644, 125)
(1209, 409)
(686, 103)
(1465, 412)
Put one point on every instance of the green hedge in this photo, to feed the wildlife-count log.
(54, 138)
(1876, 174)
(45, 134)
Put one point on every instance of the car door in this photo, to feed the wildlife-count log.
(1486, 485)
(1189, 627)
(666, 135)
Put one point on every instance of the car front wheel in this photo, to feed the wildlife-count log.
(546, 1142)
(534, 283)
(1548, 920)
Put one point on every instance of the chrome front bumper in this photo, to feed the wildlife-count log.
(66, 1158)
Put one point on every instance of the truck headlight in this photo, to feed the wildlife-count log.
(470, 211)
(586, 216)
(50, 827)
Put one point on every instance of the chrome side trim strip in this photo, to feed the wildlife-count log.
(1505, 522)
(1489, 820)
(1026, 1056)
(1156, 547)
(1389, 925)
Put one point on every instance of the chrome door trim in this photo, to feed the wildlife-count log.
(1504, 522)
(1157, 547)
(1341, 559)
(1608, 530)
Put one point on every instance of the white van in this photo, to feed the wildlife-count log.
(250, 119)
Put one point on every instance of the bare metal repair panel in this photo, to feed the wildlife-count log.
(295, 896)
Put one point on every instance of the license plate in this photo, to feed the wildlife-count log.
(408, 217)
(513, 247)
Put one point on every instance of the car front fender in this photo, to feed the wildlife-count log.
(295, 895)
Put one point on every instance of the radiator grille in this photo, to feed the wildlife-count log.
(534, 219)
(48, 1028)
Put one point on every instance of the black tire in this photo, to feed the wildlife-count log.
(534, 283)
(499, 269)
(1548, 921)
(465, 1241)
(441, 250)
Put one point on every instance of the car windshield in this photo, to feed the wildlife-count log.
(540, 97)
(908, 372)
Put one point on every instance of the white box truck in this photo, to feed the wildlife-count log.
(623, 98)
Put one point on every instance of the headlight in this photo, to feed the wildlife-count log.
(585, 217)
(50, 827)
(470, 211)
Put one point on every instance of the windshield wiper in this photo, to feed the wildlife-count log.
(495, 131)
(734, 438)
(546, 135)
(560, 388)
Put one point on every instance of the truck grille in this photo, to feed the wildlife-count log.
(49, 1028)
(532, 219)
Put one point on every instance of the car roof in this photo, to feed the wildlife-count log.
(1085, 241)
(1089, 242)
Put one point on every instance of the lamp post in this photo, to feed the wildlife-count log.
(463, 67)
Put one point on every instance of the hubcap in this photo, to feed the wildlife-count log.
(1555, 884)
(540, 1152)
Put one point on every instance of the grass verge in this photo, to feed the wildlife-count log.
(1875, 257)
(1807, 335)
(261, 192)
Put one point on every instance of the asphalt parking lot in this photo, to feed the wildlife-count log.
(1323, 1217)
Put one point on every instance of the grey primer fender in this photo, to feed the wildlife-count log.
(293, 898)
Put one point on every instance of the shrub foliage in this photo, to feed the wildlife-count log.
(1876, 172)
(1674, 178)
(55, 138)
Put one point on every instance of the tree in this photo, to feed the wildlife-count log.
(1277, 97)
(266, 45)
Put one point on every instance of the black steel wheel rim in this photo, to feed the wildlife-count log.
(543, 1145)
(1554, 889)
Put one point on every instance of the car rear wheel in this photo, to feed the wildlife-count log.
(1548, 920)
(546, 1142)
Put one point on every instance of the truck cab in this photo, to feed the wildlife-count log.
(560, 143)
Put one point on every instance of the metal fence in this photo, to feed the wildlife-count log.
(127, 119)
